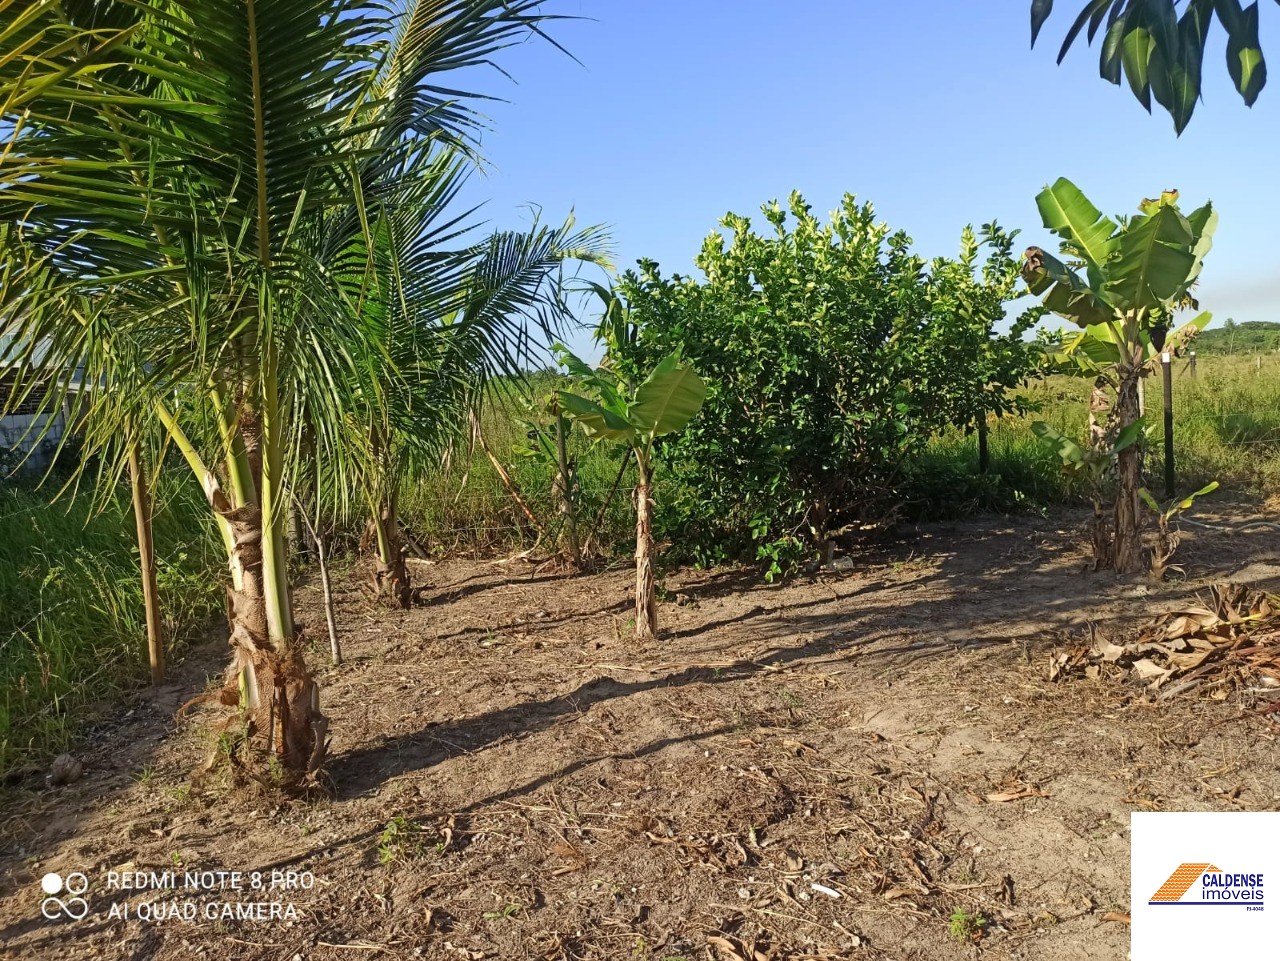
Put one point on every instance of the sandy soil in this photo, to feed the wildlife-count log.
(556, 791)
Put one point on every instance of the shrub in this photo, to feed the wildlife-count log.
(831, 353)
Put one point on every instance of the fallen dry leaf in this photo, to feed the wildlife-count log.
(1002, 796)
(1108, 651)
(1150, 670)
(1116, 916)
(728, 951)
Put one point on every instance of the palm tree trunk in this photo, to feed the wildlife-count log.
(646, 586)
(392, 572)
(268, 677)
(147, 563)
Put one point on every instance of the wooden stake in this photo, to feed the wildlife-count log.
(147, 563)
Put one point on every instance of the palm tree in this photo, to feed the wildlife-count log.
(446, 318)
(179, 158)
(1160, 52)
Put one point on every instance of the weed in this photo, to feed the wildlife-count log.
(965, 926)
(790, 698)
(507, 912)
(400, 840)
(180, 794)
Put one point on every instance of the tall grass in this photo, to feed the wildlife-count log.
(72, 630)
(464, 506)
(1226, 428)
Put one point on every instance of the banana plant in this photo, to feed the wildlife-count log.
(1168, 535)
(546, 445)
(1121, 282)
(1094, 462)
(635, 416)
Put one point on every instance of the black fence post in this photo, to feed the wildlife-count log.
(984, 454)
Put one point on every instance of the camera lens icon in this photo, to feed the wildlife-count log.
(74, 884)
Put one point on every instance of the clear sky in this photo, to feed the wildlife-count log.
(937, 111)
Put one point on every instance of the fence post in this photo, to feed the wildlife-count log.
(1192, 367)
(1166, 363)
(984, 454)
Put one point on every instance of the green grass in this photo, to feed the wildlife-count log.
(1226, 428)
(72, 631)
(463, 507)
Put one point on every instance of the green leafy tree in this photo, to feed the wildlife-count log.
(831, 353)
(1122, 282)
(1160, 52)
(635, 414)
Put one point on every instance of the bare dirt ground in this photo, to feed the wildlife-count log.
(816, 770)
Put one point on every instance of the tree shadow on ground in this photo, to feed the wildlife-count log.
(982, 587)
(960, 596)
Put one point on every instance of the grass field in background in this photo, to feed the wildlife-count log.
(1226, 428)
(72, 629)
(71, 625)
(464, 506)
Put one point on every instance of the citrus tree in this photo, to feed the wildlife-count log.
(1121, 283)
(832, 353)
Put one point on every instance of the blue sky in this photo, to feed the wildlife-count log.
(937, 111)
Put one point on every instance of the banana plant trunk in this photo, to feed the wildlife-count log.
(147, 563)
(646, 585)
(1126, 527)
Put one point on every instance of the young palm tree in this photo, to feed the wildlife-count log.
(179, 158)
(447, 318)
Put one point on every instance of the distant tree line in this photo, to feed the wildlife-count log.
(1248, 337)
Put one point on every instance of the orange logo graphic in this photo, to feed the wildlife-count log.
(1180, 881)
